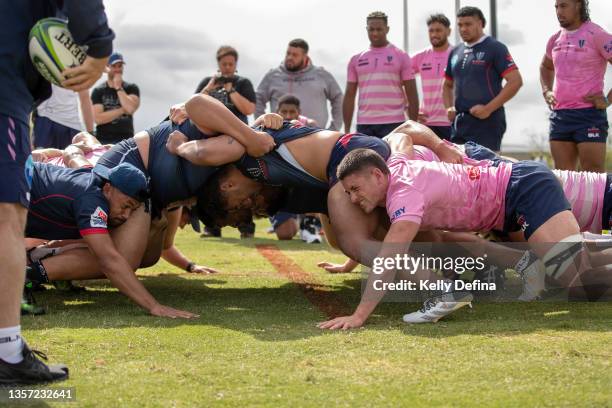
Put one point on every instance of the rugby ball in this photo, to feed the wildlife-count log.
(52, 49)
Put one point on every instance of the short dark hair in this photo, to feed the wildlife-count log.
(377, 15)
(226, 50)
(469, 11)
(439, 18)
(289, 100)
(360, 159)
(299, 43)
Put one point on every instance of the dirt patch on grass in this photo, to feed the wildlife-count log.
(326, 301)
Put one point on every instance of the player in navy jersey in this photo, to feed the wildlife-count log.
(473, 92)
(75, 203)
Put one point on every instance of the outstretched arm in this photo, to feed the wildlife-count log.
(400, 233)
(119, 272)
(214, 151)
(423, 136)
(206, 112)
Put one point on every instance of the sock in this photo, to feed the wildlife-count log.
(11, 344)
(37, 272)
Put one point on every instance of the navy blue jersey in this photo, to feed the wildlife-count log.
(66, 203)
(272, 169)
(173, 178)
(477, 72)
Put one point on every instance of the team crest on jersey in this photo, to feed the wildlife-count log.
(474, 173)
(581, 43)
(608, 47)
(480, 55)
(592, 133)
(98, 219)
(389, 60)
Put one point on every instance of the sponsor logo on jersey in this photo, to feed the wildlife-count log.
(608, 47)
(397, 213)
(98, 219)
(522, 222)
(474, 173)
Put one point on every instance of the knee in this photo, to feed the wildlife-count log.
(286, 230)
(12, 218)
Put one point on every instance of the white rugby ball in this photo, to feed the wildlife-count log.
(52, 49)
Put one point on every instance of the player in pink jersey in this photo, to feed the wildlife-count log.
(383, 74)
(421, 195)
(572, 77)
(431, 64)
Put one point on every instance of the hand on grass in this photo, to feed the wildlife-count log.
(346, 267)
(167, 311)
(342, 323)
(205, 270)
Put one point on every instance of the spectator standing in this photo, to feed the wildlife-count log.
(383, 75)
(431, 64)
(114, 103)
(312, 85)
(572, 78)
(58, 119)
(20, 88)
(473, 92)
(233, 91)
(238, 95)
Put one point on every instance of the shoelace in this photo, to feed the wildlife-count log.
(39, 354)
(429, 303)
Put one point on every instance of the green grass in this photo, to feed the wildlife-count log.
(256, 343)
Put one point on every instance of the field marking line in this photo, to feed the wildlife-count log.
(327, 302)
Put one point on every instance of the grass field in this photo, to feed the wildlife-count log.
(256, 343)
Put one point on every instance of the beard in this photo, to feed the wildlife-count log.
(296, 67)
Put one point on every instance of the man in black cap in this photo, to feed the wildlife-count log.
(114, 104)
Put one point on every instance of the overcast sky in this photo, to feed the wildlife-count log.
(170, 46)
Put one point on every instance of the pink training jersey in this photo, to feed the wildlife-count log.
(431, 65)
(446, 196)
(92, 156)
(585, 192)
(379, 73)
(580, 58)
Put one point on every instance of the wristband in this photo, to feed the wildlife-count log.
(189, 267)
(231, 91)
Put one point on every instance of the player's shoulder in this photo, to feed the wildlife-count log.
(593, 28)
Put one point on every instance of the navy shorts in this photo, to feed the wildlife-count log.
(443, 132)
(579, 125)
(486, 132)
(48, 133)
(478, 152)
(606, 216)
(280, 218)
(380, 130)
(533, 196)
(15, 162)
(350, 142)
